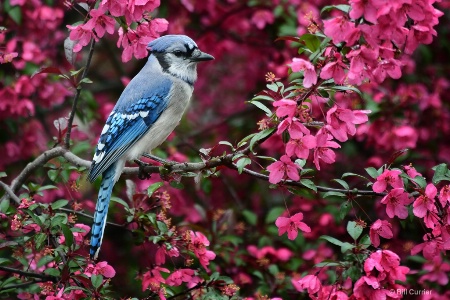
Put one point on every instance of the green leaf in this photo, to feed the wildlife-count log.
(354, 230)
(176, 184)
(59, 203)
(52, 272)
(342, 7)
(45, 260)
(259, 136)
(327, 263)
(250, 217)
(346, 246)
(344, 209)
(353, 174)
(332, 240)
(440, 173)
(331, 193)
(2, 174)
(241, 163)
(364, 242)
(372, 172)
(53, 174)
(47, 187)
(58, 219)
(353, 272)
(309, 184)
(39, 239)
(86, 80)
(273, 214)
(4, 205)
(151, 189)
(343, 183)
(162, 227)
(262, 107)
(96, 280)
(420, 181)
(312, 42)
(344, 88)
(4, 260)
(120, 201)
(226, 143)
(68, 235)
(33, 216)
(15, 13)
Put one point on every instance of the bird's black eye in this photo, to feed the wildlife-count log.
(178, 53)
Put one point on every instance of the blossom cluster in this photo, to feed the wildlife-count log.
(389, 29)
(133, 40)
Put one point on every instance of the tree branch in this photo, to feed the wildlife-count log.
(77, 96)
(10, 192)
(29, 274)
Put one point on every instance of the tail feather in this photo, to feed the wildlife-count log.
(101, 210)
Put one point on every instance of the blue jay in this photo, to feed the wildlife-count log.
(148, 110)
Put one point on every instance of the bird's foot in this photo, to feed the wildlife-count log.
(142, 175)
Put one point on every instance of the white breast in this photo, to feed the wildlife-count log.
(180, 95)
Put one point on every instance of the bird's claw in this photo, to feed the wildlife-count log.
(142, 175)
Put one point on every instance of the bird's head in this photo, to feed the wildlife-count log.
(178, 55)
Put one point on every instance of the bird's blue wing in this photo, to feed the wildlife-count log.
(125, 126)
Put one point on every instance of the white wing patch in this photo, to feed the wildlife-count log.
(143, 114)
(105, 128)
(98, 158)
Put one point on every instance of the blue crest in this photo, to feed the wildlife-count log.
(161, 44)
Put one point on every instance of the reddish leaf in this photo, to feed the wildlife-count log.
(47, 70)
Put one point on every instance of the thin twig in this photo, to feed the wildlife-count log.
(88, 216)
(77, 96)
(29, 274)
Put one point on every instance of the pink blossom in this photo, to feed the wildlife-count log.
(334, 70)
(380, 228)
(341, 30)
(437, 271)
(285, 108)
(116, 7)
(363, 8)
(444, 195)
(323, 151)
(395, 203)
(280, 169)
(100, 268)
(310, 76)
(153, 279)
(160, 256)
(262, 17)
(180, 276)
(430, 249)
(199, 243)
(387, 67)
(300, 147)
(295, 128)
(411, 171)
(310, 282)
(388, 177)
(291, 225)
(100, 22)
(136, 8)
(81, 35)
(31, 227)
(341, 121)
(425, 203)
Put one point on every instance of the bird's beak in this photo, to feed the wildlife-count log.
(201, 56)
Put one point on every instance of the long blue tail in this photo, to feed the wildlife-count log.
(101, 210)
